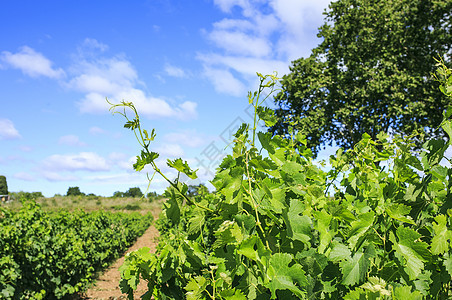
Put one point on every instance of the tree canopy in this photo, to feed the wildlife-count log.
(133, 192)
(372, 72)
(73, 191)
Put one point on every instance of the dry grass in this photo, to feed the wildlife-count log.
(91, 203)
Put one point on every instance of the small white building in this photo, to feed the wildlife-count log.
(4, 198)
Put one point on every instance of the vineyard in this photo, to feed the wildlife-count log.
(55, 254)
(376, 225)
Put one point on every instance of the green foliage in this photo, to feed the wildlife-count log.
(74, 191)
(197, 190)
(153, 196)
(371, 73)
(26, 195)
(51, 255)
(133, 192)
(118, 194)
(377, 225)
(3, 185)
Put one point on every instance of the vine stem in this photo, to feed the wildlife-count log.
(144, 142)
(258, 222)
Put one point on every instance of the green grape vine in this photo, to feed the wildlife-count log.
(375, 226)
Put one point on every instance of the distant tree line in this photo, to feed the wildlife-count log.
(75, 191)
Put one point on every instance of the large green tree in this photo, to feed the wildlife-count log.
(371, 73)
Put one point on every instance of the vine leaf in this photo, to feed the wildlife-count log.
(360, 227)
(404, 292)
(229, 232)
(323, 226)
(400, 212)
(283, 277)
(246, 248)
(195, 288)
(415, 253)
(354, 270)
(298, 226)
(267, 115)
(233, 294)
(339, 252)
(448, 265)
(144, 159)
(440, 242)
(182, 166)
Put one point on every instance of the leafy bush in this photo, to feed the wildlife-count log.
(375, 226)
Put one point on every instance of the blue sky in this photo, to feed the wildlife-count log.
(187, 65)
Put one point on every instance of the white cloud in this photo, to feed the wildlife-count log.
(71, 140)
(57, 176)
(96, 130)
(7, 130)
(247, 6)
(106, 76)
(170, 150)
(116, 79)
(123, 162)
(189, 138)
(237, 42)
(31, 63)
(260, 36)
(299, 25)
(174, 71)
(245, 66)
(224, 82)
(84, 161)
(24, 176)
(94, 44)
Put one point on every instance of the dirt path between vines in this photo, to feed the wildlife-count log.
(106, 286)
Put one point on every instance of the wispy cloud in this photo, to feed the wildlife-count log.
(8, 131)
(174, 71)
(71, 140)
(58, 176)
(224, 81)
(83, 161)
(259, 36)
(24, 176)
(170, 150)
(31, 63)
(96, 130)
(188, 138)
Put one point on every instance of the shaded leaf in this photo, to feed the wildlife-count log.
(283, 277)
(414, 252)
(400, 212)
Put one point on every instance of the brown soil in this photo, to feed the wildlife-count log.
(106, 286)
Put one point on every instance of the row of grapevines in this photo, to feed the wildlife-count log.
(377, 225)
(49, 255)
